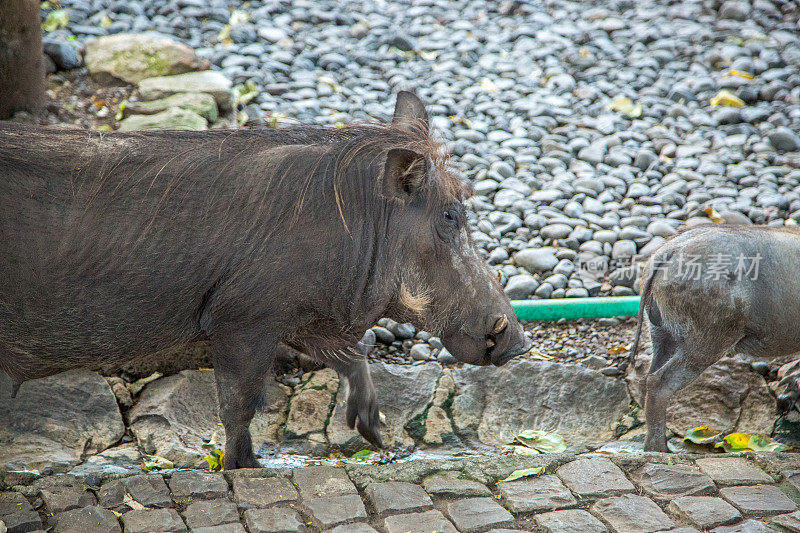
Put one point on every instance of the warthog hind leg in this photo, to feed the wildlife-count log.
(241, 363)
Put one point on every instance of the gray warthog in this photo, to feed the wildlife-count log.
(713, 291)
(117, 245)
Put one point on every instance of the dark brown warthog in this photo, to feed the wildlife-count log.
(117, 245)
(715, 291)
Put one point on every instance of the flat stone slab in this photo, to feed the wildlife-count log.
(191, 485)
(153, 521)
(789, 522)
(147, 489)
(569, 521)
(733, 471)
(705, 511)
(322, 481)
(225, 528)
(671, 481)
(748, 526)
(447, 485)
(206, 513)
(65, 498)
(424, 522)
(273, 520)
(397, 497)
(352, 528)
(544, 493)
(17, 514)
(631, 513)
(594, 477)
(758, 500)
(334, 510)
(477, 514)
(257, 492)
(90, 519)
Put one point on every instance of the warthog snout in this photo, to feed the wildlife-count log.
(505, 341)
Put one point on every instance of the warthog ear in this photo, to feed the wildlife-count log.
(404, 173)
(409, 111)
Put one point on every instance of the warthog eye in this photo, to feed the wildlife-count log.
(448, 216)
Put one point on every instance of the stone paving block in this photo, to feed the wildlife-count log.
(544, 493)
(397, 497)
(477, 514)
(153, 521)
(17, 514)
(147, 489)
(630, 513)
(352, 528)
(256, 492)
(190, 485)
(705, 511)
(448, 485)
(334, 510)
(91, 519)
(732, 471)
(758, 500)
(569, 521)
(748, 526)
(671, 481)
(424, 522)
(322, 481)
(60, 499)
(206, 513)
(224, 528)
(594, 477)
(789, 522)
(273, 520)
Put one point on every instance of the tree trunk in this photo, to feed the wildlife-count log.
(21, 62)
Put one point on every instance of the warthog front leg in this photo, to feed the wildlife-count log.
(363, 412)
(241, 360)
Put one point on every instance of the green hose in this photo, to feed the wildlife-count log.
(572, 308)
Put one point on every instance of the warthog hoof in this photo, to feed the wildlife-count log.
(363, 414)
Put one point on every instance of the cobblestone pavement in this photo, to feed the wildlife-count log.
(637, 492)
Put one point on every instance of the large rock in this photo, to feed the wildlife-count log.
(172, 119)
(177, 414)
(728, 396)
(405, 393)
(200, 103)
(209, 82)
(131, 58)
(309, 411)
(55, 421)
(495, 404)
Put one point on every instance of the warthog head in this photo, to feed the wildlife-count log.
(443, 284)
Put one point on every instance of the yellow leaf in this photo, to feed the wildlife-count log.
(105, 22)
(137, 386)
(735, 442)
(216, 461)
(701, 435)
(133, 504)
(542, 441)
(622, 348)
(727, 98)
(460, 120)
(740, 74)
(536, 354)
(154, 462)
(56, 19)
(488, 85)
(524, 472)
(713, 215)
(625, 105)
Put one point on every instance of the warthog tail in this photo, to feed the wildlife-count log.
(643, 302)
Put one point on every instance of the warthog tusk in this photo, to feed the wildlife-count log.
(490, 343)
(500, 325)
